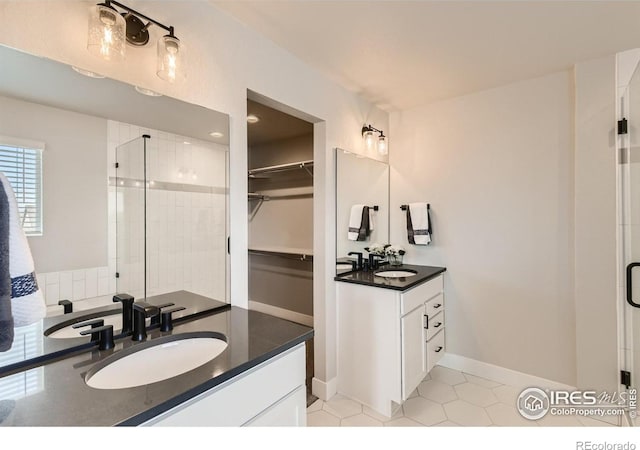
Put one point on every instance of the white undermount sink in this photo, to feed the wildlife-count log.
(156, 360)
(395, 273)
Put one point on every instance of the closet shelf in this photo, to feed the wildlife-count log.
(304, 165)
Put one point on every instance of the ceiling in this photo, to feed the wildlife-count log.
(274, 125)
(51, 83)
(402, 54)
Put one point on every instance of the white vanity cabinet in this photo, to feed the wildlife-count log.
(388, 340)
(271, 394)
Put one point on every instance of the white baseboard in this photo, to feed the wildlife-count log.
(282, 313)
(324, 390)
(499, 374)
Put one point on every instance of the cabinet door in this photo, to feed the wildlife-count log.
(291, 411)
(414, 363)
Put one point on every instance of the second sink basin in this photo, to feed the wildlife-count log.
(156, 360)
(395, 273)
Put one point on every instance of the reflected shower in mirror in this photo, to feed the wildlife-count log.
(359, 181)
(154, 224)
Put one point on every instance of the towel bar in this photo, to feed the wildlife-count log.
(404, 207)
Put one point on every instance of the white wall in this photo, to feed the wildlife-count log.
(497, 168)
(596, 225)
(225, 59)
(74, 183)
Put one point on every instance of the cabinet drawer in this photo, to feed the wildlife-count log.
(434, 324)
(435, 350)
(434, 306)
(420, 294)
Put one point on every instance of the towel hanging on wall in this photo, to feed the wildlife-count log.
(6, 318)
(418, 224)
(27, 302)
(359, 228)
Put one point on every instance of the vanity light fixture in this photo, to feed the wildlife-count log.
(369, 139)
(110, 29)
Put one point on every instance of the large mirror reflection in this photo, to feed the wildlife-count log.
(362, 206)
(120, 190)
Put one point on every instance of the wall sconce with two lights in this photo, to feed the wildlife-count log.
(369, 139)
(110, 30)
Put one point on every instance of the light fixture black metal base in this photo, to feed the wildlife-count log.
(137, 32)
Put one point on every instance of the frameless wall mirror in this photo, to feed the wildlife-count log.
(126, 192)
(360, 181)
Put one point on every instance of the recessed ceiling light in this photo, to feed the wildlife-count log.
(149, 92)
(87, 73)
(216, 134)
(252, 118)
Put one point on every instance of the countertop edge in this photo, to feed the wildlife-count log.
(155, 411)
(408, 286)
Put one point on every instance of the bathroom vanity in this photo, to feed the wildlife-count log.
(391, 333)
(228, 390)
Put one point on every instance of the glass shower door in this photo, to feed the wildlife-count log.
(630, 219)
(131, 195)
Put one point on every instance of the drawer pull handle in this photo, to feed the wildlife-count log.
(439, 349)
(426, 322)
(437, 325)
(437, 305)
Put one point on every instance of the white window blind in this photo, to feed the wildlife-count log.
(21, 162)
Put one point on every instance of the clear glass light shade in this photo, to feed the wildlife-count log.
(106, 33)
(170, 56)
(369, 139)
(383, 149)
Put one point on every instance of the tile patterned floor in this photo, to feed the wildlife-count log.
(444, 398)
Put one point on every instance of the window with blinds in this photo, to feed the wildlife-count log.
(21, 162)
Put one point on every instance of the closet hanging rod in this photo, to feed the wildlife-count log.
(282, 167)
(253, 195)
(285, 255)
(404, 207)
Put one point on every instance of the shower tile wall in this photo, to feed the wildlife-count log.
(186, 225)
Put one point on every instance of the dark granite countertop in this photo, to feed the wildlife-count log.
(31, 347)
(55, 394)
(368, 278)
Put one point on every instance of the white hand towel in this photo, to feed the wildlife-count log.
(358, 223)
(418, 224)
(371, 216)
(27, 302)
